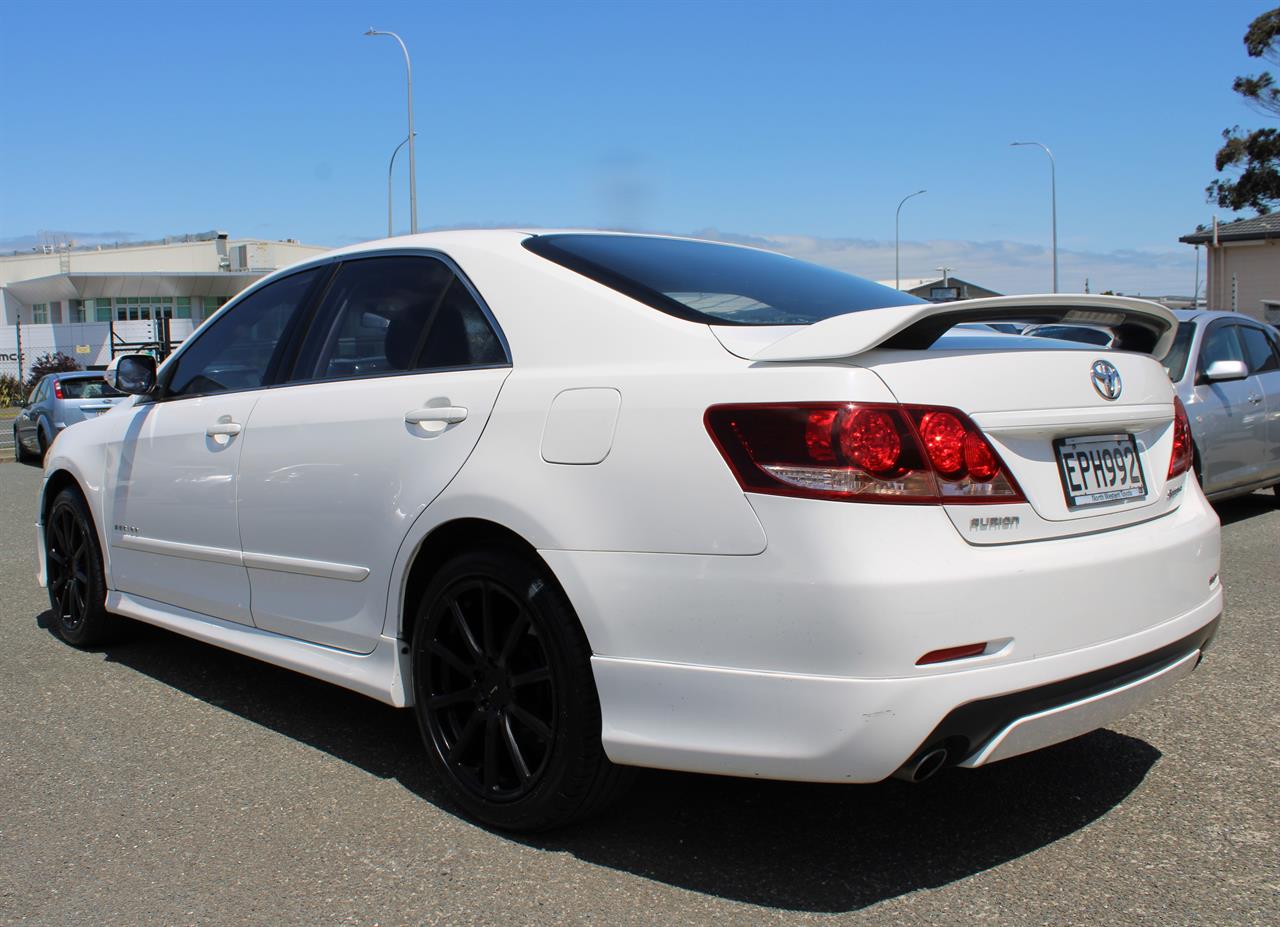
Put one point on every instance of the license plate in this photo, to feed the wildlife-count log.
(1096, 469)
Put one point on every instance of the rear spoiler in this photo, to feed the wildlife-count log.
(1140, 325)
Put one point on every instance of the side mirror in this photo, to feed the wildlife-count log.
(132, 373)
(1226, 370)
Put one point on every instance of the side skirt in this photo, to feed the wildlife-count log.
(382, 674)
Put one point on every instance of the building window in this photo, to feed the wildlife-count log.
(212, 304)
(77, 311)
(40, 314)
(182, 307)
(102, 310)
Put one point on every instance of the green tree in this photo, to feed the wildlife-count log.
(51, 363)
(1256, 155)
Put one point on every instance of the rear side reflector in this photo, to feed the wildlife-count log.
(860, 452)
(951, 653)
(1180, 460)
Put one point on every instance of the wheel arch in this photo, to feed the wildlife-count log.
(443, 542)
(57, 481)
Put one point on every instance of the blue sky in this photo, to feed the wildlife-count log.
(801, 124)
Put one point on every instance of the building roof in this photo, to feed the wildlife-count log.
(76, 285)
(1254, 229)
(915, 283)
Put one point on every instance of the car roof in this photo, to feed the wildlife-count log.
(1208, 315)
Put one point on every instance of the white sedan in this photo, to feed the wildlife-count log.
(592, 501)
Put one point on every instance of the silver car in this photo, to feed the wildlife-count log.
(1226, 369)
(57, 401)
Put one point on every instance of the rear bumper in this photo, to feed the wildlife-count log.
(801, 662)
(828, 729)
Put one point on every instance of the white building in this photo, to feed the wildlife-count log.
(81, 301)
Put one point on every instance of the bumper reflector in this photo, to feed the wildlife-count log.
(951, 653)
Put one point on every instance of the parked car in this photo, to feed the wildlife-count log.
(59, 400)
(1226, 369)
(1085, 334)
(590, 501)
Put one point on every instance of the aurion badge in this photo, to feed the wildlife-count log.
(1106, 380)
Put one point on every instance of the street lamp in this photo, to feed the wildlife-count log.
(1053, 203)
(390, 168)
(897, 225)
(413, 179)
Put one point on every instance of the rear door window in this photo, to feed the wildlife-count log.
(392, 315)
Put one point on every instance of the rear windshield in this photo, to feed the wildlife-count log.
(1175, 362)
(716, 284)
(1073, 333)
(87, 388)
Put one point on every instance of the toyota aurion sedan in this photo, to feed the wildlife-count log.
(1225, 367)
(594, 501)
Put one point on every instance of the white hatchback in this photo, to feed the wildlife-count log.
(591, 501)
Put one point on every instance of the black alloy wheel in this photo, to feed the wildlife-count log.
(73, 563)
(491, 708)
(505, 697)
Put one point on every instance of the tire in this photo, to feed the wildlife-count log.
(77, 587)
(20, 454)
(505, 698)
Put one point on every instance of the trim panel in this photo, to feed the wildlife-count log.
(177, 549)
(344, 571)
(347, 572)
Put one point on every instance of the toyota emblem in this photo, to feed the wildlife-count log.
(1106, 380)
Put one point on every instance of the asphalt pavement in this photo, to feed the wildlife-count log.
(162, 781)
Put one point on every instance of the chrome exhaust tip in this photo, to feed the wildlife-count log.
(924, 766)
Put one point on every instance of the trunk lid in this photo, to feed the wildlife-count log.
(1029, 396)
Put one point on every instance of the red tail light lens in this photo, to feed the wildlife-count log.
(857, 452)
(870, 440)
(943, 437)
(1183, 451)
(57, 390)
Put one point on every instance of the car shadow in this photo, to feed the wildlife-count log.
(801, 847)
(1231, 511)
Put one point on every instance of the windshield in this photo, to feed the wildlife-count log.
(716, 284)
(87, 388)
(1175, 362)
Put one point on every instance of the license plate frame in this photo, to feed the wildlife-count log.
(1076, 457)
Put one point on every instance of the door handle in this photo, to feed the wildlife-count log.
(449, 415)
(1255, 399)
(223, 429)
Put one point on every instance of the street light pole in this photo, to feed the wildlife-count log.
(413, 177)
(897, 226)
(1053, 203)
(390, 168)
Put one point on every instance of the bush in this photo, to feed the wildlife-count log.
(12, 390)
(50, 363)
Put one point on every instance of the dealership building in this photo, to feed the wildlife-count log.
(94, 302)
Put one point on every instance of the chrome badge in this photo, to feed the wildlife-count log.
(1106, 380)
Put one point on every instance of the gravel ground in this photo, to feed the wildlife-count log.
(165, 782)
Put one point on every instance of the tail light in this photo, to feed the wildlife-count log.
(861, 453)
(57, 390)
(1180, 461)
